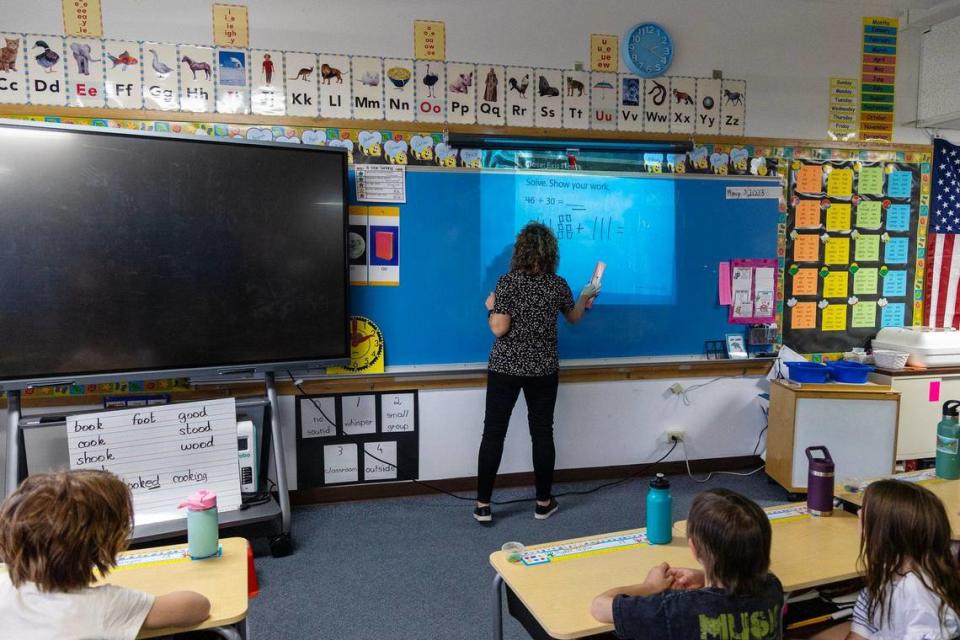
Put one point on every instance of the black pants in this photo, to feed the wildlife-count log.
(540, 392)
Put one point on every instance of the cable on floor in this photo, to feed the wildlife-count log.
(686, 461)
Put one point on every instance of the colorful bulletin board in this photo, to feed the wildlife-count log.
(853, 251)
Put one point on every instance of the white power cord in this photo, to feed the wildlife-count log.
(678, 389)
(686, 461)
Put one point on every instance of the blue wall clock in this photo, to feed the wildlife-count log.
(647, 49)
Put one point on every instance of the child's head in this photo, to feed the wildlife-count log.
(56, 528)
(905, 528)
(730, 536)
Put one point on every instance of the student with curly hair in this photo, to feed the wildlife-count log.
(522, 314)
(58, 533)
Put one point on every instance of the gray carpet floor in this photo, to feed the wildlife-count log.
(417, 569)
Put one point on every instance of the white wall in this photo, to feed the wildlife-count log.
(597, 424)
(785, 49)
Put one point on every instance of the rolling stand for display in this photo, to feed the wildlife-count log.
(269, 518)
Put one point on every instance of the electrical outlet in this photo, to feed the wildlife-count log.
(674, 436)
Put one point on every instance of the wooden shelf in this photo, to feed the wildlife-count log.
(538, 132)
(438, 380)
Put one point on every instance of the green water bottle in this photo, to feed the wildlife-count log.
(948, 438)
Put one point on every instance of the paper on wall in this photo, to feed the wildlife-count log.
(85, 80)
(461, 92)
(367, 83)
(603, 101)
(547, 88)
(333, 74)
(431, 92)
(13, 75)
(233, 87)
(683, 106)
(521, 85)
(46, 69)
(163, 453)
(399, 89)
(733, 107)
(267, 93)
(576, 99)
(197, 86)
(742, 292)
(161, 78)
(630, 103)
(124, 82)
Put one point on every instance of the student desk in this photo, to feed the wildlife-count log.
(806, 552)
(223, 580)
(947, 490)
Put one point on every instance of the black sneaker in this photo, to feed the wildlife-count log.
(483, 514)
(542, 513)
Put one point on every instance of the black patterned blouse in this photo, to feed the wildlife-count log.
(532, 300)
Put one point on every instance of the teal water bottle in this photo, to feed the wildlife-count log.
(659, 511)
(203, 524)
(948, 437)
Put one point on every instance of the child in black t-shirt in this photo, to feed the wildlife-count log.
(735, 596)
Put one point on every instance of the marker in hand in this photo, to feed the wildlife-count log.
(595, 280)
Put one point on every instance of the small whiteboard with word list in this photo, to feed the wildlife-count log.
(163, 453)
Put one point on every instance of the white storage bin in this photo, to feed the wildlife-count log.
(927, 347)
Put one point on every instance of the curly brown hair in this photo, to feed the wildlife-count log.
(56, 529)
(536, 250)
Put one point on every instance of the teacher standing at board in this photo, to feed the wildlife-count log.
(522, 314)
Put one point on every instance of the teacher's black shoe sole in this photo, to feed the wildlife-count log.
(542, 513)
(483, 515)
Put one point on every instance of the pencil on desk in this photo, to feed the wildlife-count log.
(837, 615)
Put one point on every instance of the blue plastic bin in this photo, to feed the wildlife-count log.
(849, 372)
(807, 372)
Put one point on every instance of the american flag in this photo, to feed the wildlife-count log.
(943, 248)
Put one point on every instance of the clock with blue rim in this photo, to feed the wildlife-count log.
(647, 49)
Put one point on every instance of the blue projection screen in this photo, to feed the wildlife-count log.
(629, 222)
(456, 235)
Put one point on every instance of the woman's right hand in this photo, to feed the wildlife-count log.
(488, 303)
(590, 290)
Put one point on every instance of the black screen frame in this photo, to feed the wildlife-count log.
(203, 369)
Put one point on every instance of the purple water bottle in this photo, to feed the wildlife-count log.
(820, 482)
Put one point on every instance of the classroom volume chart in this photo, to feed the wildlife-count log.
(163, 453)
(855, 234)
(357, 438)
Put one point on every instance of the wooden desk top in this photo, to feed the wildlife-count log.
(806, 552)
(223, 580)
(947, 490)
(829, 389)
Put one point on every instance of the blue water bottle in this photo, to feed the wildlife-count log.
(659, 511)
(203, 524)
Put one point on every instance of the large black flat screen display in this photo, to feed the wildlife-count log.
(132, 253)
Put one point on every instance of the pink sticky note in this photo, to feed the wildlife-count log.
(724, 283)
(933, 393)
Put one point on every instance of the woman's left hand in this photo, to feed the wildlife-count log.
(489, 301)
